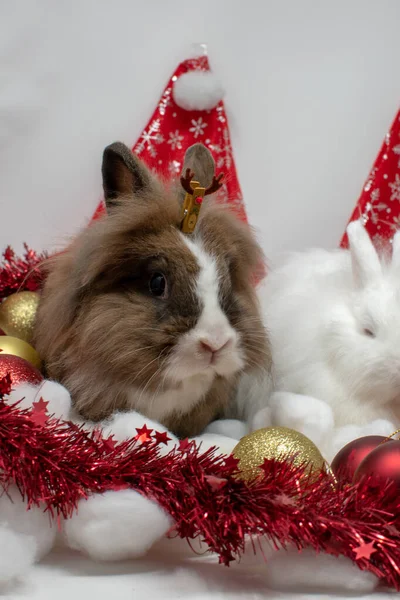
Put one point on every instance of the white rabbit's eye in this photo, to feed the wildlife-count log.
(368, 332)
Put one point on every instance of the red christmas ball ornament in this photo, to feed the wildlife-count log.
(20, 370)
(381, 464)
(348, 459)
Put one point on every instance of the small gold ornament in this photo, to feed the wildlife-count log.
(18, 313)
(16, 347)
(279, 443)
(194, 198)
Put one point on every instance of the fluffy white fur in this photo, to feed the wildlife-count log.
(334, 322)
(197, 90)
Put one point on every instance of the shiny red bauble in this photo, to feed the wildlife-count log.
(20, 370)
(381, 464)
(349, 458)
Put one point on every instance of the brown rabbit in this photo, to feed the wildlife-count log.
(135, 315)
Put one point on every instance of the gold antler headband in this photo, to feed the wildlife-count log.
(194, 198)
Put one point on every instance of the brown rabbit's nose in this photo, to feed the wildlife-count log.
(208, 346)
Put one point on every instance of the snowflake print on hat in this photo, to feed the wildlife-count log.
(172, 129)
(379, 204)
(198, 127)
(175, 140)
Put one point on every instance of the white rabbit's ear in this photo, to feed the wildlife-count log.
(365, 260)
(396, 251)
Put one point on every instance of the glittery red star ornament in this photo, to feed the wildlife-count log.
(161, 438)
(143, 434)
(364, 550)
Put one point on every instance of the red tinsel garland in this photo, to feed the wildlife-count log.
(20, 273)
(59, 463)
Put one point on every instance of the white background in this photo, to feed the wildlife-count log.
(312, 87)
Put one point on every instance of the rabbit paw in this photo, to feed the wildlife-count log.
(310, 416)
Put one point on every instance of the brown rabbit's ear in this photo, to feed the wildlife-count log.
(123, 174)
(199, 160)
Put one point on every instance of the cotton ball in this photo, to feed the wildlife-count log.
(197, 90)
(232, 428)
(57, 396)
(116, 525)
(123, 427)
(305, 571)
(33, 525)
(17, 553)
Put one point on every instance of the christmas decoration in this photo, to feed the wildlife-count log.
(18, 313)
(20, 273)
(380, 465)
(16, 347)
(277, 443)
(20, 370)
(190, 110)
(59, 463)
(379, 203)
(348, 459)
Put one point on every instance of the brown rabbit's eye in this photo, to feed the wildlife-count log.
(158, 284)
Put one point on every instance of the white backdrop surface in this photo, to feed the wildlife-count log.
(312, 87)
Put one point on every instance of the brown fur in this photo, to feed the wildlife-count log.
(100, 332)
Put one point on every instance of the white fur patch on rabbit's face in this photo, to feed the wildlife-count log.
(212, 347)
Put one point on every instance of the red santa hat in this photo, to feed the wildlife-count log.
(190, 110)
(379, 203)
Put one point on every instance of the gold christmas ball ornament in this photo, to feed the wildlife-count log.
(279, 443)
(18, 314)
(16, 347)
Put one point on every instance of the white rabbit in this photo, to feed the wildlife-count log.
(334, 324)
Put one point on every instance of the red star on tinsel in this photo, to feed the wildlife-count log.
(284, 500)
(231, 462)
(97, 435)
(143, 434)
(161, 438)
(39, 412)
(110, 443)
(184, 445)
(364, 550)
(216, 483)
(5, 385)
